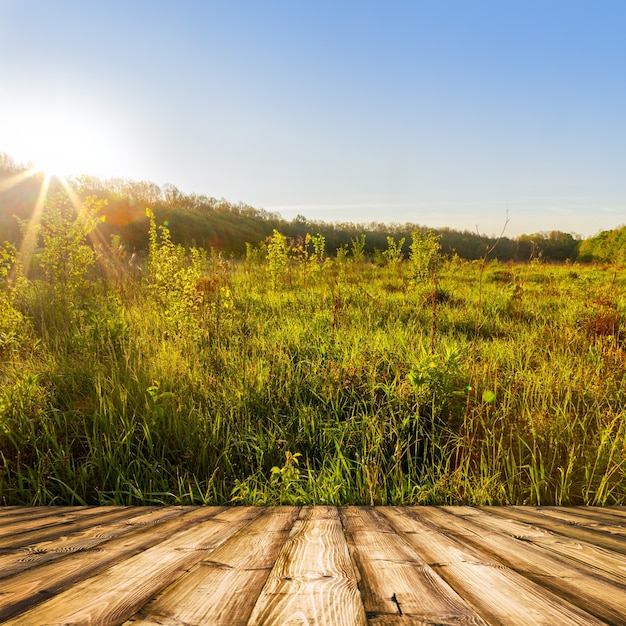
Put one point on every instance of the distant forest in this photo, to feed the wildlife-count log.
(226, 227)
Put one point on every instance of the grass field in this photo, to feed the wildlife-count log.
(294, 378)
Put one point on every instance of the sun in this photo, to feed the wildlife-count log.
(62, 146)
(64, 143)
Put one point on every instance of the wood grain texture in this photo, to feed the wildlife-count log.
(604, 532)
(223, 588)
(499, 594)
(582, 553)
(82, 536)
(45, 528)
(32, 512)
(20, 530)
(580, 586)
(394, 579)
(181, 566)
(313, 581)
(606, 515)
(116, 593)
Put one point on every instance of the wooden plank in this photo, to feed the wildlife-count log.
(10, 508)
(578, 515)
(223, 589)
(394, 580)
(609, 563)
(403, 620)
(30, 512)
(609, 527)
(30, 588)
(499, 594)
(11, 530)
(609, 534)
(582, 587)
(81, 536)
(588, 513)
(66, 524)
(508, 565)
(592, 533)
(313, 581)
(614, 509)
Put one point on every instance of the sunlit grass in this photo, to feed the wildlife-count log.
(196, 381)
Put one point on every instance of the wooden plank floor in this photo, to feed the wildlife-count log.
(179, 566)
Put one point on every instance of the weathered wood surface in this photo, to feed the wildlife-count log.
(181, 566)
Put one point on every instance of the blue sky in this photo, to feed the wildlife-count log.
(439, 112)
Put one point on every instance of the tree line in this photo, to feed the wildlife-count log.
(224, 226)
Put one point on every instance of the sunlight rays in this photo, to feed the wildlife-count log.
(95, 237)
(16, 179)
(29, 242)
(31, 225)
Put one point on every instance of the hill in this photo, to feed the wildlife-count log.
(224, 226)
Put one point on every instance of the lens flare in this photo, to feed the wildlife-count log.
(489, 397)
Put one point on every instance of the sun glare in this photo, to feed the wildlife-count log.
(65, 144)
(61, 143)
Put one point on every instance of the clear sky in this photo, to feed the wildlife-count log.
(437, 112)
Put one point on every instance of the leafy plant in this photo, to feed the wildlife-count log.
(174, 275)
(358, 249)
(319, 248)
(287, 479)
(67, 256)
(436, 380)
(277, 258)
(8, 258)
(424, 255)
(393, 254)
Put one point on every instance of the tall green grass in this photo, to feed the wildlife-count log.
(200, 381)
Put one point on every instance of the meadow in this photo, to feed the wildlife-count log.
(296, 377)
